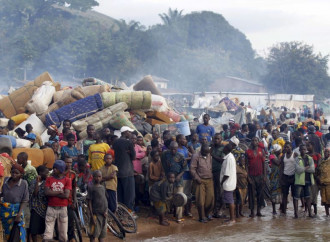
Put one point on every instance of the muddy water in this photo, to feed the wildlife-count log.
(268, 228)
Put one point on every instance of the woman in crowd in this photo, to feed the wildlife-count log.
(15, 196)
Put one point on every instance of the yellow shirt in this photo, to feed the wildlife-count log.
(96, 154)
(279, 141)
(318, 123)
(112, 183)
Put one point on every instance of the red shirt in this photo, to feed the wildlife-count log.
(55, 184)
(255, 162)
(319, 134)
(72, 176)
(316, 158)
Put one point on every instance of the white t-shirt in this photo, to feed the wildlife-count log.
(228, 168)
(289, 165)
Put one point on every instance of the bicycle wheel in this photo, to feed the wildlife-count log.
(86, 218)
(115, 226)
(126, 219)
(76, 228)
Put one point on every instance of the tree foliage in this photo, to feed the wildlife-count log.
(190, 50)
(171, 17)
(293, 67)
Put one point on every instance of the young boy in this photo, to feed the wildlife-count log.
(57, 189)
(161, 192)
(70, 150)
(69, 173)
(109, 176)
(84, 177)
(38, 203)
(96, 153)
(156, 172)
(98, 207)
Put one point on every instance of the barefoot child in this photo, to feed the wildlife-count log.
(109, 176)
(161, 192)
(98, 207)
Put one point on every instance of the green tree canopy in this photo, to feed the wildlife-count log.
(293, 67)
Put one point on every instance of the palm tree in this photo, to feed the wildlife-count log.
(171, 17)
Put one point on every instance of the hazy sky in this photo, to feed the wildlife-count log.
(264, 22)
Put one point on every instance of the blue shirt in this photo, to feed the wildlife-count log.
(66, 151)
(174, 163)
(205, 131)
(195, 146)
(185, 153)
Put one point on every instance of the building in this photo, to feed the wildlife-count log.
(160, 83)
(235, 84)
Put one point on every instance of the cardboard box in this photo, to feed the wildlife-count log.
(160, 116)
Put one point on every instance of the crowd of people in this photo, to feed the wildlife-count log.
(241, 165)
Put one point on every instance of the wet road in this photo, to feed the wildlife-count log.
(268, 228)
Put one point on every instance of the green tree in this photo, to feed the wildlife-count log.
(171, 17)
(293, 67)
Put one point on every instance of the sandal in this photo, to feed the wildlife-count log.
(179, 221)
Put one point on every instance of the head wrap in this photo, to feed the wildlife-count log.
(234, 140)
(59, 165)
(18, 167)
(277, 147)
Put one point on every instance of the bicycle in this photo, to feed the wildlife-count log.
(77, 228)
(126, 218)
(82, 211)
(115, 226)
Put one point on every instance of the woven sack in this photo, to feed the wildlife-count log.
(15, 102)
(108, 99)
(119, 120)
(137, 100)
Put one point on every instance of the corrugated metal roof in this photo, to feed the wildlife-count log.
(247, 81)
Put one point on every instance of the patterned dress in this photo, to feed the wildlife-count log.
(275, 186)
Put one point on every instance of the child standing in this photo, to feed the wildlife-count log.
(98, 207)
(156, 172)
(70, 150)
(57, 189)
(38, 203)
(161, 192)
(109, 176)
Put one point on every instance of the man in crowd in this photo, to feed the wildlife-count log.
(217, 159)
(125, 154)
(228, 180)
(201, 171)
(205, 129)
